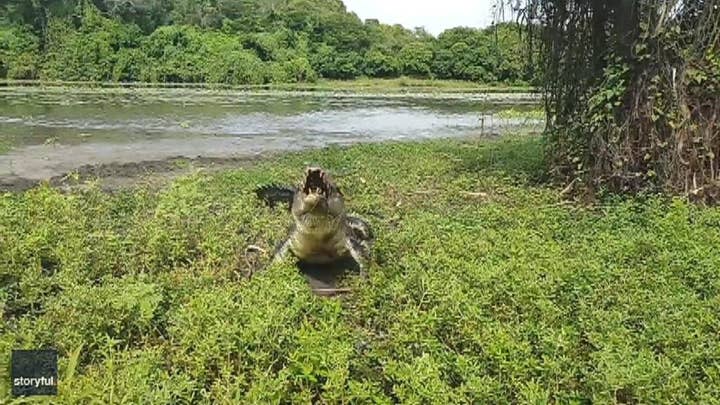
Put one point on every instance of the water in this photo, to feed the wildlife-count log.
(51, 131)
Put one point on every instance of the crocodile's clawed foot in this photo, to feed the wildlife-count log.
(255, 249)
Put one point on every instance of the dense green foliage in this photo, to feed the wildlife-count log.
(240, 42)
(632, 93)
(487, 289)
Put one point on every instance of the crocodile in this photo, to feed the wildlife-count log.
(322, 231)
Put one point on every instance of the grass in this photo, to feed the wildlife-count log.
(486, 289)
(513, 113)
(406, 84)
(361, 85)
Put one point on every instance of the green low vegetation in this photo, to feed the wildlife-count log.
(487, 288)
(409, 85)
(242, 42)
(533, 114)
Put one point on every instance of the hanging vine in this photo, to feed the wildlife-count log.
(632, 93)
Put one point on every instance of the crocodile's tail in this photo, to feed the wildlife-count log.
(273, 194)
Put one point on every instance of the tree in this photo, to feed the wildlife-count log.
(416, 59)
(146, 14)
(89, 52)
(176, 54)
(37, 13)
(379, 63)
(19, 54)
(631, 94)
(332, 64)
(176, 40)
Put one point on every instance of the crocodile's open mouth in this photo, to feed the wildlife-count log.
(316, 182)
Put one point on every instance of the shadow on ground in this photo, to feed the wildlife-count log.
(327, 279)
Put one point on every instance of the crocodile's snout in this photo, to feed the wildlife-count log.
(317, 196)
(316, 182)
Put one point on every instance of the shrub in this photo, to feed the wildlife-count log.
(416, 59)
(129, 65)
(88, 53)
(236, 67)
(331, 64)
(299, 70)
(175, 54)
(19, 54)
(379, 63)
(490, 291)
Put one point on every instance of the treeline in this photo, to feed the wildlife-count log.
(240, 42)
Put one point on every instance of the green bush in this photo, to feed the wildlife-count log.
(269, 46)
(416, 59)
(495, 54)
(88, 53)
(237, 67)
(297, 70)
(379, 63)
(332, 64)
(129, 65)
(19, 54)
(227, 61)
(175, 54)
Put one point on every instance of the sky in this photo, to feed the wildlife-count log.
(434, 15)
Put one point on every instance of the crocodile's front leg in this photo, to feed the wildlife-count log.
(283, 251)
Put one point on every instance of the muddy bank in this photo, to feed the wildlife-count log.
(134, 170)
(41, 162)
(116, 176)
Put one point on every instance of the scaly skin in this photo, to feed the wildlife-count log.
(322, 231)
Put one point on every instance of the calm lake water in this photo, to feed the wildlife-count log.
(52, 131)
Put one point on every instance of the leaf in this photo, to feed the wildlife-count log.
(72, 363)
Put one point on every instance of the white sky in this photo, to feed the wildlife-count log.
(434, 15)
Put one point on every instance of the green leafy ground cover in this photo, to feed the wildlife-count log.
(486, 288)
(533, 114)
